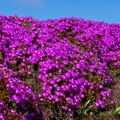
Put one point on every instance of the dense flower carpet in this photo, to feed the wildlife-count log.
(63, 62)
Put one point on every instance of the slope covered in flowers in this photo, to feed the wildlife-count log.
(65, 61)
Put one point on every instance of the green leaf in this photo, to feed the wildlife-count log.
(117, 111)
(12, 105)
(26, 113)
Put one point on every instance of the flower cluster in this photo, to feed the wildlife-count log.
(69, 59)
(16, 98)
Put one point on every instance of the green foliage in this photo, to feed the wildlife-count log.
(117, 110)
(12, 105)
(26, 24)
(86, 109)
(26, 113)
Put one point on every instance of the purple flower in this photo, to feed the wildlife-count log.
(2, 117)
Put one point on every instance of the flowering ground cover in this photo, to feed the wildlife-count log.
(56, 69)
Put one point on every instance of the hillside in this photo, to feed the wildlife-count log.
(61, 69)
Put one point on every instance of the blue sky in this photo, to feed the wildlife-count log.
(97, 10)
